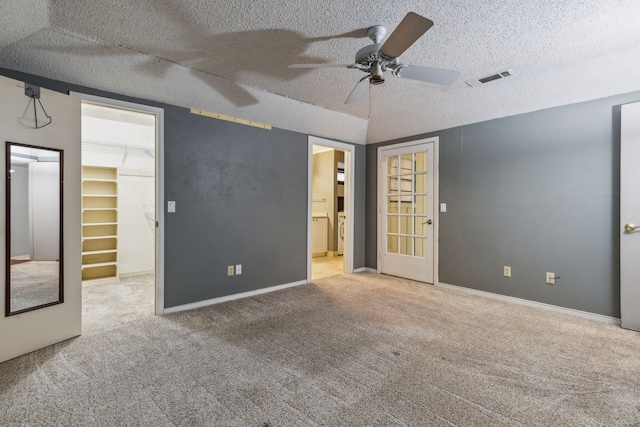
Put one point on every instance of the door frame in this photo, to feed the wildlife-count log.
(159, 184)
(436, 207)
(350, 167)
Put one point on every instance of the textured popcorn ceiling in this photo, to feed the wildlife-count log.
(231, 57)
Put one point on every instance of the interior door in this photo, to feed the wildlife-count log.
(407, 211)
(630, 217)
(29, 331)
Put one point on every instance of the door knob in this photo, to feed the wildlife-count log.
(428, 222)
(630, 227)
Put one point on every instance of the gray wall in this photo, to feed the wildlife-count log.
(538, 192)
(20, 211)
(241, 198)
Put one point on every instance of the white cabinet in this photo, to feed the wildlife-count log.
(320, 236)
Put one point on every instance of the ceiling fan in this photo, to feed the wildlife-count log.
(377, 58)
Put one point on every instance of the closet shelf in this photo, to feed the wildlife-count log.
(99, 180)
(100, 220)
(101, 251)
(99, 237)
(99, 264)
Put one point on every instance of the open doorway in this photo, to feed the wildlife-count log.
(330, 208)
(120, 233)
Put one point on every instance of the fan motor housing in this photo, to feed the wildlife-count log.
(369, 55)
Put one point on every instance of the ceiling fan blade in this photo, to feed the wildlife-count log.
(320, 65)
(359, 90)
(428, 74)
(410, 29)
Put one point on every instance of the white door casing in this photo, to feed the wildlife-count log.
(630, 216)
(407, 218)
(349, 173)
(159, 184)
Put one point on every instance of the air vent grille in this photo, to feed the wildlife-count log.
(490, 78)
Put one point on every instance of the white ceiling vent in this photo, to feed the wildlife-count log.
(490, 78)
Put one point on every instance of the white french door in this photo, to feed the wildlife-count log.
(407, 221)
(630, 217)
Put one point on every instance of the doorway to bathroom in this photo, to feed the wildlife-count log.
(330, 208)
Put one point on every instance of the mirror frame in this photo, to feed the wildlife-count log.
(60, 299)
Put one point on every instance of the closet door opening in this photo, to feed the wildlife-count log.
(120, 207)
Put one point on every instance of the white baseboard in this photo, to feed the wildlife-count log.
(366, 270)
(136, 273)
(232, 297)
(529, 303)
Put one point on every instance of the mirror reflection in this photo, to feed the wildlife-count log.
(34, 218)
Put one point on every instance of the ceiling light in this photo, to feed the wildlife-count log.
(376, 74)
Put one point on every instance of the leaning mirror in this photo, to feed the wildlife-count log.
(34, 228)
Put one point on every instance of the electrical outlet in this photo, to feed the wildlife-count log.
(550, 278)
(238, 269)
(230, 270)
(506, 271)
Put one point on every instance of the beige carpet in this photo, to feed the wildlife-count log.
(34, 283)
(347, 350)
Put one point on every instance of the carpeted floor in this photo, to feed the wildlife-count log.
(33, 283)
(348, 350)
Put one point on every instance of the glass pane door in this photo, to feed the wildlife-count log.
(407, 211)
(407, 204)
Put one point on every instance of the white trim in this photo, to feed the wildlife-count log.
(350, 167)
(535, 304)
(436, 199)
(232, 297)
(135, 274)
(159, 112)
(366, 270)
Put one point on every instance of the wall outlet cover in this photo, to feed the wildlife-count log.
(230, 270)
(506, 271)
(238, 269)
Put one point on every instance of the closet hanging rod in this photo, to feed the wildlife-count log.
(117, 148)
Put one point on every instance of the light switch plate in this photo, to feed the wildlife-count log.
(171, 206)
(443, 207)
(550, 278)
(238, 269)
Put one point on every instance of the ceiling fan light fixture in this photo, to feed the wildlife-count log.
(377, 58)
(376, 74)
